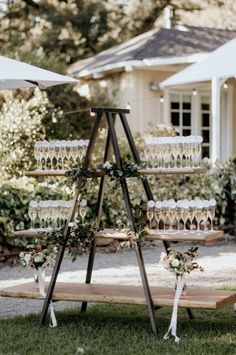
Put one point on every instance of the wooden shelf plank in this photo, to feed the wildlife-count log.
(157, 171)
(163, 297)
(37, 173)
(38, 232)
(191, 236)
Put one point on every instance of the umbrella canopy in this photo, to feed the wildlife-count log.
(217, 67)
(16, 75)
(221, 63)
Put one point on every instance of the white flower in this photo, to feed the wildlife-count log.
(107, 165)
(175, 263)
(27, 258)
(22, 255)
(163, 255)
(72, 225)
(38, 259)
(83, 203)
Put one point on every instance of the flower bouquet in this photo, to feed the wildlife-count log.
(39, 259)
(179, 264)
(35, 257)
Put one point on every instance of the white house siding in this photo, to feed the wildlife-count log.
(144, 103)
(133, 88)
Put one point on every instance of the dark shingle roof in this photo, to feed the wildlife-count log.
(158, 43)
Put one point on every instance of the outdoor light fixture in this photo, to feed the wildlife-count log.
(154, 86)
(128, 68)
(98, 75)
(161, 98)
(194, 92)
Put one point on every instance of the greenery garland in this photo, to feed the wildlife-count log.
(80, 238)
(128, 169)
(75, 173)
(134, 238)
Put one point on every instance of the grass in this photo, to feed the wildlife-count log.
(120, 330)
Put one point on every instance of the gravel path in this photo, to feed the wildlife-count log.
(219, 262)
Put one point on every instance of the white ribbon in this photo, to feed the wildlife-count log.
(41, 285)
(173, 322)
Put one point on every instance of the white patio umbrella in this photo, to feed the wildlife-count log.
(16, 75)
(217, 67)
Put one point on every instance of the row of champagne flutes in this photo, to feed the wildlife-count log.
(171, 213)
(52, 213)
(59, 154)
(166, 152)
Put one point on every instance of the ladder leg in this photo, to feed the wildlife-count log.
(128, 206)
(98, 217)
(190, 313)
(58, 262)
(66, 232)
(144, 181)
(137, 159)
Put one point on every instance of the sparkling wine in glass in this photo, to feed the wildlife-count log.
(32, 212)
(83, 209)
(150, 212)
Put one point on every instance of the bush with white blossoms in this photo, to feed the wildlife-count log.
(180, 263)
(35, 257)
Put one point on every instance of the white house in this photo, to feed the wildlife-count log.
(136, 68)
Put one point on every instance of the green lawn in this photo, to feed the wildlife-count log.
(123, 330)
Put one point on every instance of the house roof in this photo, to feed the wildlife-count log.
(214, 66)
(167, 46)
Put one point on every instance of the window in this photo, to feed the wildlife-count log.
(205, 117)
(180, 113)
(185, 109)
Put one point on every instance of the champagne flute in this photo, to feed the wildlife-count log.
(175, 152)
(41, 153)
(157, 213)
(172, 207)
(32, 212)
(37, 154)
(150, 212)
(198, 213)
(63, 153)
(51, 152)
(83, 209)
(206, 205)
(211, 211)
(164, 213)
(57, 153)
(178, 213)
(46, 155)
(185, 214)
(192, 209)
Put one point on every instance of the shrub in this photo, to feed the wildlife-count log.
(21, 125)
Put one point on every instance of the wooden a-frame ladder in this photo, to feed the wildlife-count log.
(109, 114)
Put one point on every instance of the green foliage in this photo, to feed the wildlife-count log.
(15, 195)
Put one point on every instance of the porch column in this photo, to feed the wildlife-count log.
(215, 115)
(166, 107)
